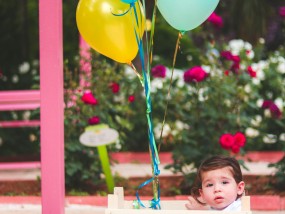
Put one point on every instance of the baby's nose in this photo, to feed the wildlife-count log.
(217, 188)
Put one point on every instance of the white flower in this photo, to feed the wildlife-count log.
(228, 103)
(201, 95)
(156, 84)
(279, 103)
(256, 121)
(260, 66)
(261, 40)
(156, 58)
(247, 46)
(281, 67)
(256, 81)
(158, 128)
(251, 132)
(212, 55)
(259, 102)
(180, 125)
(270, 138)
(26, 115)
(243, 66)
(206, 68)
(247, 88)
(32, 137)
(24, 68)
(15, 78)
(250, 54)
(267, 113)
(282, 137)
(118, 146)
(189, 58)
(236, 46)
(129, 72)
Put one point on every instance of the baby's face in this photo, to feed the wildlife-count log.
(219, 188)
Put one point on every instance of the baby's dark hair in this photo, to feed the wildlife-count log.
(213, 163)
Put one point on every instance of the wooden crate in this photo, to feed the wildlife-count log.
(117, 205)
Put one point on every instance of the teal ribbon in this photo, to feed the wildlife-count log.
(155, 202)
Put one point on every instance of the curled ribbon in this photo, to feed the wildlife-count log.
(155, 202)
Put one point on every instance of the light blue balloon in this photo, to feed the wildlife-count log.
(185, 15)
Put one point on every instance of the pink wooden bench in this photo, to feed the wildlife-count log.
(19, 100)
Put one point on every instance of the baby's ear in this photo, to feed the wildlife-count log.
(240, 186)
(201, 192)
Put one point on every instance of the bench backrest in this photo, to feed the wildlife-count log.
(17, 101)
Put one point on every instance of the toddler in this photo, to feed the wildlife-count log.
(218, 185)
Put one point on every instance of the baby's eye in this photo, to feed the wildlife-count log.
(225, 182)
(209, 185)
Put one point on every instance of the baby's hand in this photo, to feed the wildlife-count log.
(194, 205)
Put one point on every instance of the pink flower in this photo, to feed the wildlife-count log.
(195, 74)
(235, 58)
(251, 72)
(158, 71)
(115, 87)
(235, 149)
(239, 139)
(235, 66)
(88, 98)
(227, 141)
(94, 120)
(131, 98)
(266, 104)
(282, 11)
(275, 111)
(233, 142)
(227, 55)
(216, 20)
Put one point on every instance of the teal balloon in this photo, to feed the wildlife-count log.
(185, 15)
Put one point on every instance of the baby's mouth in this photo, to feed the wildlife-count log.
(219, 199)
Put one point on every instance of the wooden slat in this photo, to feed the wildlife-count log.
(20, 165)
(19, 100)
(19, 95)
(19, 123)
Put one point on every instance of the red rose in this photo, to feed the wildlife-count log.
(239, 139)
(227, 55)
(251, 72)
(88, 98)
(216, 20)
(94, 120)
(275, 111)
(235, 59)
(235, 149)
(266, 104)
(131, 98)
(282, 11)
(227, 141)
(195, 74)
(158, 71)
(115, 87)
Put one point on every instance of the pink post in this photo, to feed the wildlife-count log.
(52, 106)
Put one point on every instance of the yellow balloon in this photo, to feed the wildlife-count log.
(109, 27)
